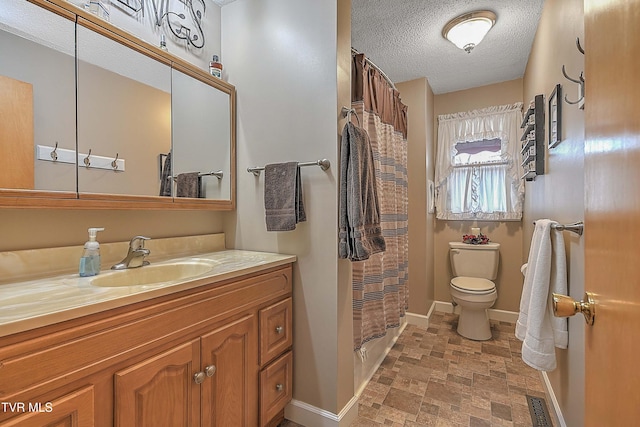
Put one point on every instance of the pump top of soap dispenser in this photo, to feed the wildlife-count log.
(93, 233)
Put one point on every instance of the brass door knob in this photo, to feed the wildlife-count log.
(565, 306)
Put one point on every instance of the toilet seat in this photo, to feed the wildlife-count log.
(473, 285)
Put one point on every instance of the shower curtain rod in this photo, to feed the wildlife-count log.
(355, 52)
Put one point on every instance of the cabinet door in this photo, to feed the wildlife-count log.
(160, 391)
(230, 358)
(72, 410)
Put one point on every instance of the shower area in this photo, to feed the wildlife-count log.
(380, 282)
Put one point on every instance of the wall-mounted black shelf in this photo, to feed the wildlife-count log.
(533, 139)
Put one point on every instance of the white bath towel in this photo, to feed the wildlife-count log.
(538, 329)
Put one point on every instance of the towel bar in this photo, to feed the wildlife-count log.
(217, 174)
(576, 227)
(324, 165)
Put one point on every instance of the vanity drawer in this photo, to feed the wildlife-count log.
(275, 330)
(276, 385)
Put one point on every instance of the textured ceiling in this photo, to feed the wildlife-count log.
(404, 38)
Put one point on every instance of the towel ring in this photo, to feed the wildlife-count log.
(346, 112)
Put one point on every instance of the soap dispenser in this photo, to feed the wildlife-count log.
(90, 261)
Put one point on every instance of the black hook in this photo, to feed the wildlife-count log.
(578, 45)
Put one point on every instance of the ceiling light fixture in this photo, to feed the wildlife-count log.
(466, 31)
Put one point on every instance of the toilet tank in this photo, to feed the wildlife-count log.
(474, 260)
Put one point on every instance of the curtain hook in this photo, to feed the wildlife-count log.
(114, 163)
(87, 161)
(54, 153)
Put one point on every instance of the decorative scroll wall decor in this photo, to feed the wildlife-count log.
(184, 26)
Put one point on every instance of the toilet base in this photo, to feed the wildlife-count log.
(474, 324)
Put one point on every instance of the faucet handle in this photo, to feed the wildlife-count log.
(138, 242)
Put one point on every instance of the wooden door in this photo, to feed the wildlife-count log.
(72, 410)
(229, 396)
(612, 211)
(160, 391)
(16, 134)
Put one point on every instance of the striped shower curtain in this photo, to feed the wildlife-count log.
(380, 287)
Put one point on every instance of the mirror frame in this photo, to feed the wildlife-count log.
(10, 198)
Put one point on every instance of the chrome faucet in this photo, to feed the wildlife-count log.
(135, 255)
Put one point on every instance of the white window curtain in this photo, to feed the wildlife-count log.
(489, 191)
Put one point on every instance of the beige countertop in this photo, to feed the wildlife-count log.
(36, 303)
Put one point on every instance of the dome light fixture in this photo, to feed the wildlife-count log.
(466, 31)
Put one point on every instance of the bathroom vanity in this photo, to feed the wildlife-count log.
(211, 350)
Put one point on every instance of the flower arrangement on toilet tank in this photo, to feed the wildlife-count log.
(472, 239)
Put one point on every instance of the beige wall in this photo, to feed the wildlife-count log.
(509, 233)
(414, 94)
(346, 368)
(46, 228)
(559, 193)
(283, 58)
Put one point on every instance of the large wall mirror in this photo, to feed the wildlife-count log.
(114, 120)
(124, 111)
(37, 106)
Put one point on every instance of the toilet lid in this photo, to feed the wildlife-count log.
(473, 284)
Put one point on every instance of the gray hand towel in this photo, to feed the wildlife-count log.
(283, 203)
(188, 185)
(166, 179)
(359, 217)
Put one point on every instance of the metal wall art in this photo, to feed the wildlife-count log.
(184, 26)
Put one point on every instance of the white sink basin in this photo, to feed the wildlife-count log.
(153, 274)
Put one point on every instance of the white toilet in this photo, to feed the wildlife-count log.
(474, 267)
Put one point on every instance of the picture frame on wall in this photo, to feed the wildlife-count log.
(555, 116)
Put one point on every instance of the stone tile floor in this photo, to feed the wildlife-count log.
(435, 377)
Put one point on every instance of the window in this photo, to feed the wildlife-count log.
(477, 166)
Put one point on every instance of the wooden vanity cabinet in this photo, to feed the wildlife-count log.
(218, 355)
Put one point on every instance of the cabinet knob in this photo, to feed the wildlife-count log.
(199, 377)
(279, 329)
(279, 387)
(210, 370)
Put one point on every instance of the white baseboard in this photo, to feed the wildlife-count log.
(417, 319)
(498, 315)
(444, 307)
(420, 320)
(556, 406)
(503, 315)
(310, 416)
